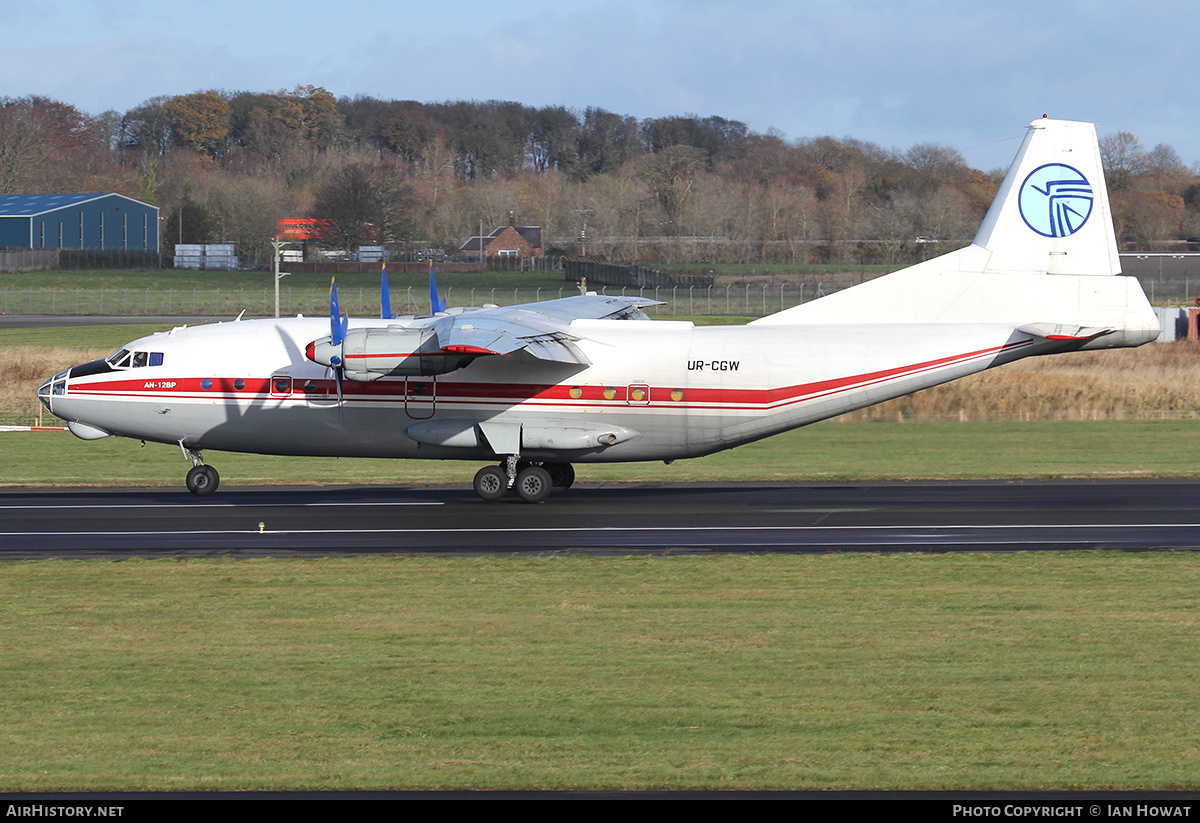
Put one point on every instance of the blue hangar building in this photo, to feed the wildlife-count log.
(77, 221)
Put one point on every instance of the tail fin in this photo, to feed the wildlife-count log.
(1043, 259)
(1051, 214)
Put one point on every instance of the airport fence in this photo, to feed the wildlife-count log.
(16, 259)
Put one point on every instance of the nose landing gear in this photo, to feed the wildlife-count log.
(201, 480)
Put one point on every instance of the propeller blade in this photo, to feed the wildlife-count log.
(337, 325)
(385, 298)
(434, 301)
(337, 376)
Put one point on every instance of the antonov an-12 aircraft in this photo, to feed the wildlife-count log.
(532, 389)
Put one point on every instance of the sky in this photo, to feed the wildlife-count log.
(968, 75)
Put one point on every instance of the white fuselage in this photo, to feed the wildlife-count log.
(652, 391)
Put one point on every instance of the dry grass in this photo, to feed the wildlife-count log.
(26, 367)
(1158, 380)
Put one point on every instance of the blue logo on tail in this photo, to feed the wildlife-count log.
(1055, 200)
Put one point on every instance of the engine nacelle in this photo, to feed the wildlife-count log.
(369, 354)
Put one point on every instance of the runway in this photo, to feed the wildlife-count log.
(605, 520)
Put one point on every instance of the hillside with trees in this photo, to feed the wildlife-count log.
(416, 175)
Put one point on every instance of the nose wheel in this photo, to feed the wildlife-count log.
(202, 480)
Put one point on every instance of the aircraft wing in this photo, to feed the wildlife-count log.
(542, 329)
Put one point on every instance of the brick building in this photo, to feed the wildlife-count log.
(506, 241)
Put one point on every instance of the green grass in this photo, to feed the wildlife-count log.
(942, 672)
(225, 294)
(104, 337)
(825, 452)
(183, 279)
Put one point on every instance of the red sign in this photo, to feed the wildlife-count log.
(299, 228)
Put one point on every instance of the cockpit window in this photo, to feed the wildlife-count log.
(124, 359)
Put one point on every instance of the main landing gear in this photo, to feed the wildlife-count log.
(533, 482)
(201, 480)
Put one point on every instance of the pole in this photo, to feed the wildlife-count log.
(277, 245)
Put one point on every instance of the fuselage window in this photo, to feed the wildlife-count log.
(156, 358)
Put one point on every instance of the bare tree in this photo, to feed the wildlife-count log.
(670, 175)
(1124, 159)
(22, 146)
(363, 203)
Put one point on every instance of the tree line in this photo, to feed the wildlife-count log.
(225, 166)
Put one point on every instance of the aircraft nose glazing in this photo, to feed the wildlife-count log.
(43, 393)
(56, 385)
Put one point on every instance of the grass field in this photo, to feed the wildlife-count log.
(824, 452)
(747, 289)
(942, 672)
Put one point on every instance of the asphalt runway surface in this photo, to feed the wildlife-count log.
(604, 520)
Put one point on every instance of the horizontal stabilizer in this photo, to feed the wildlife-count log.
(1062, 331)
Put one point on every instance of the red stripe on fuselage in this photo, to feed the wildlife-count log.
(462, 393)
